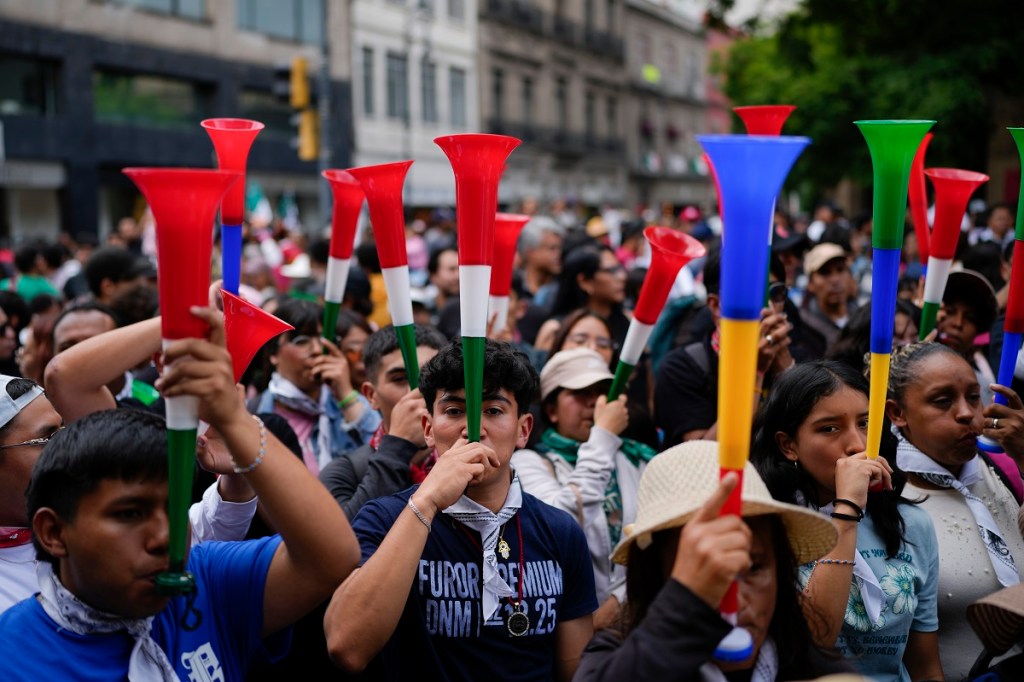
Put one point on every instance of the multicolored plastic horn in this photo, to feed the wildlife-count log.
(348, 201)
(383, 187)
(670, 251)
(184, 203)
(953, 189)
(478, 162)
(751, 170)
(1013, 325)
(507, 227)
(247, 328)
(919, 201)
(764, 119)
(232, 138)
(892, 145)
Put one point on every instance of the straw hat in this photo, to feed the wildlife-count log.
(999, 618)
(680, 480)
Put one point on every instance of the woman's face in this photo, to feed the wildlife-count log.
(573, 412)
(352, 348)
(609, 282)
(904, 330)
(835, 428)
(941, 413)
(958, 326)
(590, 332)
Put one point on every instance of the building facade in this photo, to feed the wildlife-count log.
(88, 87)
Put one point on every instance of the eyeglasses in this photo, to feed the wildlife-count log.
(613, 270)
(34, 441)
(302, 340)
(582, 339)
(777, 292)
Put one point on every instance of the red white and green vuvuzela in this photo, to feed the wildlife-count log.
(507, 227)
(383, 185)
(184, 202)
(348, 201)
(478, 162)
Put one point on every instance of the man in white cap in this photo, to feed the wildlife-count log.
(830, 300)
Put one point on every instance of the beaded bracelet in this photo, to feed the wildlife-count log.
(840, 562)
(259, 456)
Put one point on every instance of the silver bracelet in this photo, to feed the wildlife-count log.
(418, 514)
(259, 456)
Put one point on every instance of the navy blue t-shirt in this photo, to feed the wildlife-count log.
(440, 635)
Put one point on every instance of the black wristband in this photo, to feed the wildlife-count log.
(846, 517)
(852, 505)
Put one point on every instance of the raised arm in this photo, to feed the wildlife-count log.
(381, 586)
(76, 380)
(319, 549)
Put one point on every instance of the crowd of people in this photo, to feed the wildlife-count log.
(343, 526)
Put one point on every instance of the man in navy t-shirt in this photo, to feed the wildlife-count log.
(466, 577)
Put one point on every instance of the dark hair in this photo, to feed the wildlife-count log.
(435, 258)
(367, 257)
(349, 320)
(854, 339)
(86, 307)
(40, 303)
(505, 367)
(788, 628)
(905, 360)
(121, 444)
(113, 263)
(319, 251)
(16, 308)
(16, 388)
(581, 261)
(789, 403)
(385, 340)
(713, 271)
(305, 316)
(986, 258)
(25, 256)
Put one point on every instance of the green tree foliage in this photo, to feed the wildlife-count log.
(844, 60)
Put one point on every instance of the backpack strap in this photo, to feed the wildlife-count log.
(1008, 472)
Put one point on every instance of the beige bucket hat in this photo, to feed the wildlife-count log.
(680, 480)
(999, 618)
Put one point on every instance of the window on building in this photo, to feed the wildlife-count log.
(264, 106)
(498, 92)
(120, 97)
(643, 46)
(611, 16)
(457, 10)
(457, 96)
(428, 85)
(527, 101)
(424, 7)
(297, 20)
(611, 115)
(562, 103)
(368, 89)
(671, 60)
(28, 86)
(588, 15)
(590, 114)
(398, 85)
(191, 9)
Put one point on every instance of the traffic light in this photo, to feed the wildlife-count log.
(308, 135)
(299, 91)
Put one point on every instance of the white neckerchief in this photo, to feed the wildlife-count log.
(912, 460)
(487, 523)
(766, 667)
(867, 582)
(148, 662)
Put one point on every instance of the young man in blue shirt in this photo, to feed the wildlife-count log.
(466, 577)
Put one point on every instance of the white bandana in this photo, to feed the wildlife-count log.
(766, 667)
(288, 394)
(148, 662)
(487, 523)
(912, 460)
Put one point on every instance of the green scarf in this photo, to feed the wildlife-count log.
(568, 449)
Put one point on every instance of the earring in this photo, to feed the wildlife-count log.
(796, 464)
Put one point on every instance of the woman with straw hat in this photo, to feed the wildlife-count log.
(681, 557)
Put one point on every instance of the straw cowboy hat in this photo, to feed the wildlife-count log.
(680, 480)
(999, 618)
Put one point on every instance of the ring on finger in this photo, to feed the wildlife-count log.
(769, 339)
(995, 422)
